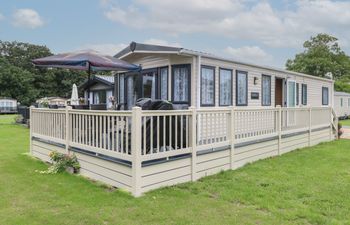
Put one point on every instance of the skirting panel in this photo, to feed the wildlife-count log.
(94, 168)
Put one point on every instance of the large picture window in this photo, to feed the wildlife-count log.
(225, 87)
(241, 88)
(181, 84)
(207, 86)
(325, 96)
(304, 94)
(266, 90)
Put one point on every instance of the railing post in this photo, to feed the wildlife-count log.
(232, 137)
(31, 129)
(136, 150)
(279, 127)
(67, 129)
(310, 113)
(193, 138)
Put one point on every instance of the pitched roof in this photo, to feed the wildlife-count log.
(148, 48)
(338, 93)
(105, 79)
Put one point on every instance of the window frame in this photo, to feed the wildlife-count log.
(246, 99)
(325, 88)
(262, 90)
(231, 85)
(303, 89)
(201, 82)
(188, 66)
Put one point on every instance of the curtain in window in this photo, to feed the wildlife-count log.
(181, 84)
(131, 91)
(266, 90)
(121, 89)
(96, 98)
(149, 85)
(324, 96)
(297, 92)
(241, 88)
(164, 83)
(207, 86)
(225, 97)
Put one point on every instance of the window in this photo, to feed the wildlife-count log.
(341, 102)
(291, 94)
(163, 83)
(241, 88)
(181, 84)
(207, 86)
(99, 97)
(266, 90)
(121, 89)
(304, 94)
(225, 87)
(149, 83)
(297, 90)
(349, 102)
(325, 96)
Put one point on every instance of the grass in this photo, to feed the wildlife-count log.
(308, 186)
(345, 122)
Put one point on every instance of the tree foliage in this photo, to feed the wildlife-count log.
(322, 54)
(21, 80)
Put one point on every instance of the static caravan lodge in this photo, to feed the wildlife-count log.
(8, 105)
(192, 78)
(342, 104)
(141, 150)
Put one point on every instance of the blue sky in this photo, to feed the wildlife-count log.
(263, 32)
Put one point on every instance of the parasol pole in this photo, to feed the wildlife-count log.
(89, 74)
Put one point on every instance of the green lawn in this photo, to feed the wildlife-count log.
(345, 122)
(309, 186)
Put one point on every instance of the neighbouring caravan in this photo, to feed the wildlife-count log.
(342, 104)
(8, 105)
(192, 78)
(101, 90)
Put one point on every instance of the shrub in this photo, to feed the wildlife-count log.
(60, 162)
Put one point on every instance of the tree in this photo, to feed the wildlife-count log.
(20, 79)
(322, 54)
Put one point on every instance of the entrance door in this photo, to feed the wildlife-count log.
(279, 92)
(291, 102)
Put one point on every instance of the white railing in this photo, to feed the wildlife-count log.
(250, 123)
(138, 136)
(109, 131)
(49, 124)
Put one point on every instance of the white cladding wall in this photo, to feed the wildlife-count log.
(314, 86)
(342, 109)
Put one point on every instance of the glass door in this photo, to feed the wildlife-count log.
(291, 102)
(149, 84)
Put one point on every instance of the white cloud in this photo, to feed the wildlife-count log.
(2, 17)
(154, 41)
(27, 18)
(253, 54)
(237, 19)
(107, 49)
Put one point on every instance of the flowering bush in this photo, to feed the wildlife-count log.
(61, 162)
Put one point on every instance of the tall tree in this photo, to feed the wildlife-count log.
(322, 54)
(21, 80)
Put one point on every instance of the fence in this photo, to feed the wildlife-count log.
(141, 140)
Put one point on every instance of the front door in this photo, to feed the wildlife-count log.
(149, 83)
(279, 92)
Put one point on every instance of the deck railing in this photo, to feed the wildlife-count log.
(139, 135)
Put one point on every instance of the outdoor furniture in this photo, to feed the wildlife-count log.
(98, 107)
(80, 107)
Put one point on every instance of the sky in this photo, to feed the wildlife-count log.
(262, 32)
